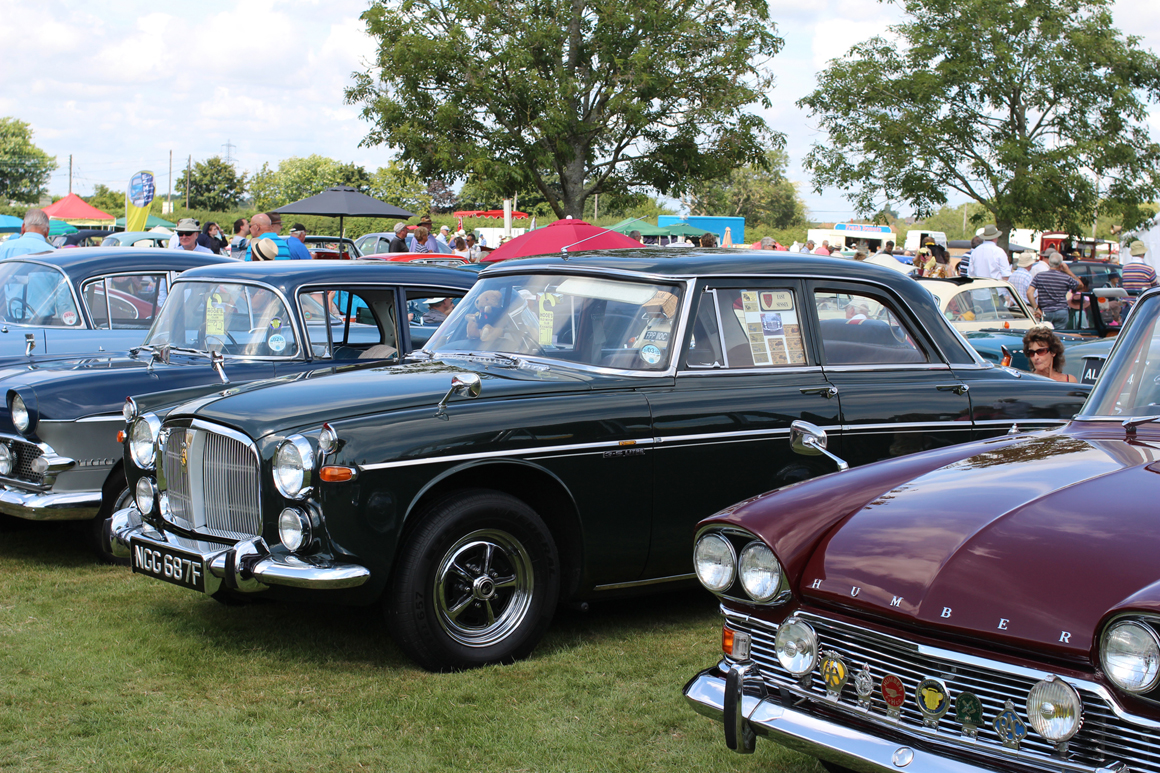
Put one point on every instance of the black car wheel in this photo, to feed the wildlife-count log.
(476, 583)
(96, 527)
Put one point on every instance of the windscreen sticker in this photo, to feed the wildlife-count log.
(275, 323)
(215, 321)
(650, 354)
(277, 343)
(547, 318)
(69, 318)
(772, 327)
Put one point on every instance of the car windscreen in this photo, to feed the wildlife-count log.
(34, 294)
(233, 319)
(585, 320)
(1130, 382)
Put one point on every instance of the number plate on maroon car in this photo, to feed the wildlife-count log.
(179, 567)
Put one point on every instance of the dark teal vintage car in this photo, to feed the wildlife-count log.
(556, 440)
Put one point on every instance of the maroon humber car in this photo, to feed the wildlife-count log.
(989, 606)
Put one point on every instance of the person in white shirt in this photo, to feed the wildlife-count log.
(988, 260)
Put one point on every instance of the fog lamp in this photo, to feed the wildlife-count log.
(293, 528)
(39, 465)
(796, 646)
(6, 460)
(715, 562)
(1130, 655)
(1054, 709)
(146, 491)
(760, 571)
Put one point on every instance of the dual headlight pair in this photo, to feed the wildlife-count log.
(718, 566)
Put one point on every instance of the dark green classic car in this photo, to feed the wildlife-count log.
(556, 440)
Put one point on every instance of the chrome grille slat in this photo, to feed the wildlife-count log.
(216, 491)
(1103, 738)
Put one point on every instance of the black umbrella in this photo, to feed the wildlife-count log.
(342, 201)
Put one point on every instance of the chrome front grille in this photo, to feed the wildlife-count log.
(210, 479)
(1105, 737)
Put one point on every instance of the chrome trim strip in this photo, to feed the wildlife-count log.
(940, 366)
(643, 583)
(756, 434)
(709, 370)
(89, 419)
(543, 451)
(943, 425)
(1021, 422)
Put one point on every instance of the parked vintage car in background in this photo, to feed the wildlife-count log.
(154, 239)
(331, 248)
(557, 439)
(223, 325)
(991, 606)
(88, 299)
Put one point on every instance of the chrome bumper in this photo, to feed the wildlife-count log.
(247, 566)
(47, 506)
(719, 692)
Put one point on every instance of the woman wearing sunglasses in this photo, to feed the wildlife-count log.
(1045, 353)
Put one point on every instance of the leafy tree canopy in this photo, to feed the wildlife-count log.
(24, 168)
(108, 200)
(395, 185)
(213, 185)
(1020, 106)
(601, 95)
(759, 193)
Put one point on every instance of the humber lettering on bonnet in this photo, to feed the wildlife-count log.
(557, 439)
(997, 610)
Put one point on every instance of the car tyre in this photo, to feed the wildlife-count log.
(476, 583)
(109, 505)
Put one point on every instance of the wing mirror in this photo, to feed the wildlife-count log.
(467, 384)
(810, 440)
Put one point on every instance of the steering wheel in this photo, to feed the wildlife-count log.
(19, 311)
(214, 336)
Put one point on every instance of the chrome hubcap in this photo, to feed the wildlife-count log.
(483, 588)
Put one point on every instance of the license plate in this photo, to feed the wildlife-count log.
(179, 567)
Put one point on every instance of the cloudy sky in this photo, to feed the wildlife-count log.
(118, 84)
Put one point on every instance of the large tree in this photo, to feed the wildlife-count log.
(300, 177)
(1035, 109)
(24, 168)
(760, 193)
(599, 95)
(213, 184)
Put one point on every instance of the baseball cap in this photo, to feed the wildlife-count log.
(297, 228)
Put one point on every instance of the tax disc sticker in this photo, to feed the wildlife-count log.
(277, 343)
(650, 354)
(276, 323)
(69, 318)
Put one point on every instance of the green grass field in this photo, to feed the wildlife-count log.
(101, 670)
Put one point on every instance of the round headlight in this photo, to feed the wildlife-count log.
(142, 436)
(6, 460)
(1054, 709)
(1130, 655)
(20, 415)
(146, 491)
(293, 463)
(715, 562)
(796, 646)
(759, 571)
(129, 410)
(327, 440)
(293, 528)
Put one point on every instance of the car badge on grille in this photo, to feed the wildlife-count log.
(969, 713)
(933, 701)
(894, 693)
(1011, 729)
(834, 673)
(864, 684)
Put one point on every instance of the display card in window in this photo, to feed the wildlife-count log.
(772, 327)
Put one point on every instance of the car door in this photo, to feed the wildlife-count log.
(747, 372)
(897, 394)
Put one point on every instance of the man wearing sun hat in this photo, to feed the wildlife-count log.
(988, 260)
(1021, 276)
(437, 310)
(1138, 276)
(187, 233)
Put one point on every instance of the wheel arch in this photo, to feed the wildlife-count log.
(539, 488)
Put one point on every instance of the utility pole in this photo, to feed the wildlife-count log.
(188, 174)
(70, 174)
(169, 197)
(964, 220)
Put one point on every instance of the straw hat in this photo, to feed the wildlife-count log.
(990, 233)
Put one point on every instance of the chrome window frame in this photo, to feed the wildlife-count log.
(72, 291)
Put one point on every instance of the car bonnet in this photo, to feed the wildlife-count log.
(1023, 542)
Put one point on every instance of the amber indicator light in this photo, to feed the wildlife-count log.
(336, 474)
(120, 436)
(727, 641)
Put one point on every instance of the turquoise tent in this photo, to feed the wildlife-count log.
(152, 222)
(9, 224)
(60, 228)
(637, 224)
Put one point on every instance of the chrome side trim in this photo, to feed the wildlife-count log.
(530, 452)
(943, 425)
(1020, 422)
(709, 370)
(644, 583)
(940, 366)
(90, 419)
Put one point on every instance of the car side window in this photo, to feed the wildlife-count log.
(93, 294)
(861, 329)
(349, 323)
(135, 300)
(746, 328)
(421, 310)
(984, 304)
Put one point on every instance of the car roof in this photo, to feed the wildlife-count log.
(289, 274)
(946, 289)
(141, 234)
(83, 262)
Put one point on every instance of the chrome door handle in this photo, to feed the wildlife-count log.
(958, 389)
(826, 391)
